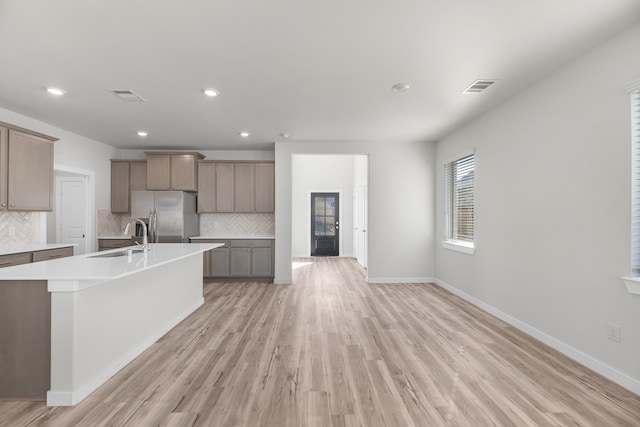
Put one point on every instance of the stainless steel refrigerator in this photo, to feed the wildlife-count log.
(175, 215)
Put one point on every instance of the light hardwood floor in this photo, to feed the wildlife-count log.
(331, 350)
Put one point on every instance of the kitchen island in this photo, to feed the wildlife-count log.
(105, 309)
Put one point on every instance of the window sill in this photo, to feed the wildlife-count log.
(459, 246)
(633, 284)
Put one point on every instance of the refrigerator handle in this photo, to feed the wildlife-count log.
(153, 225)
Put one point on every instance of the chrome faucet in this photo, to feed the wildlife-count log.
(145, 240)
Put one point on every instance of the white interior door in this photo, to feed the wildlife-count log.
(71, 215)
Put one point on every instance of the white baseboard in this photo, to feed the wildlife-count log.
(603, 369)
(70, 398)
(282, 280)
(400, 279)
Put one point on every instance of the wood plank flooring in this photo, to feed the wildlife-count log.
(331, 350)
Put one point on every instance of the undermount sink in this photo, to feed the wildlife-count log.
(118, 253)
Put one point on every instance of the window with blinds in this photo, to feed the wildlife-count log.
(459, 206)
(635, 183)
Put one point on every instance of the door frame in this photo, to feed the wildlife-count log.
(61, 172)
(340, 239)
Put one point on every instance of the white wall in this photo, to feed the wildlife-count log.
(401, 206)
(73, 151)
(553, 210)
(317, 173)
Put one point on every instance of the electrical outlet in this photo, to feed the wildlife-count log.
(12, 231)
(614, 332)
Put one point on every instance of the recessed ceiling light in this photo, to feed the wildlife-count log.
(211, 92)
(142, 133)
(400, 87)
(55, 91)
(244, 134)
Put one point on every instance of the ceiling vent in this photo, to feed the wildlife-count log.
(127, 95)
(478, 86)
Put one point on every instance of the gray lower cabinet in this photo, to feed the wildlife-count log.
(252, 258)
(220, 262)
(262, 262)
(239, 258)
(106, 244)
(50, 254)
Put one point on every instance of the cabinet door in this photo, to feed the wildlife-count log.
(220, 262)
(244, 186)
(265, 184)
(206, 186)
(224, 187)
(206, 264)
(240, 265)
(261, 262)
(158, 172)
(30, 178)
(120, 193)
(183, 172)
(138, 171)
(4, 163)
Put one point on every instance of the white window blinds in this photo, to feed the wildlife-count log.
(459, 205)
(635, 183)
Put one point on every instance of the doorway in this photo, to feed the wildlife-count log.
(72, 219)
(325, 224)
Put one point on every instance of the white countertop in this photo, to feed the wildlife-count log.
(232, 237)
(10, 250)
(87, 271)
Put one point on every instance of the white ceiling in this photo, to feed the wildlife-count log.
(317, 70)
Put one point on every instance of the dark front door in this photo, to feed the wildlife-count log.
(325, 228)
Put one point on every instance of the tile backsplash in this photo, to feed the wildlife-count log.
(219, 224)
(111, 224)
(237, 224)
(19, 228)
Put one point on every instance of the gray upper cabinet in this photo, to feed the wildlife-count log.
(172, 171)
(120, 186)
(223, 185)
(126, 176)
(26, 170)
(4, 163)
(206, 187)
(158, 171)
(244, 186)
(239, 187)
(265, 188)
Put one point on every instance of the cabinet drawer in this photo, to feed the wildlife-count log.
(15, 259)
(104, 244)
(251, 243)
(52, 254)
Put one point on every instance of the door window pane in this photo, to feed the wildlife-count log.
(330, 206)
(330, 226)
